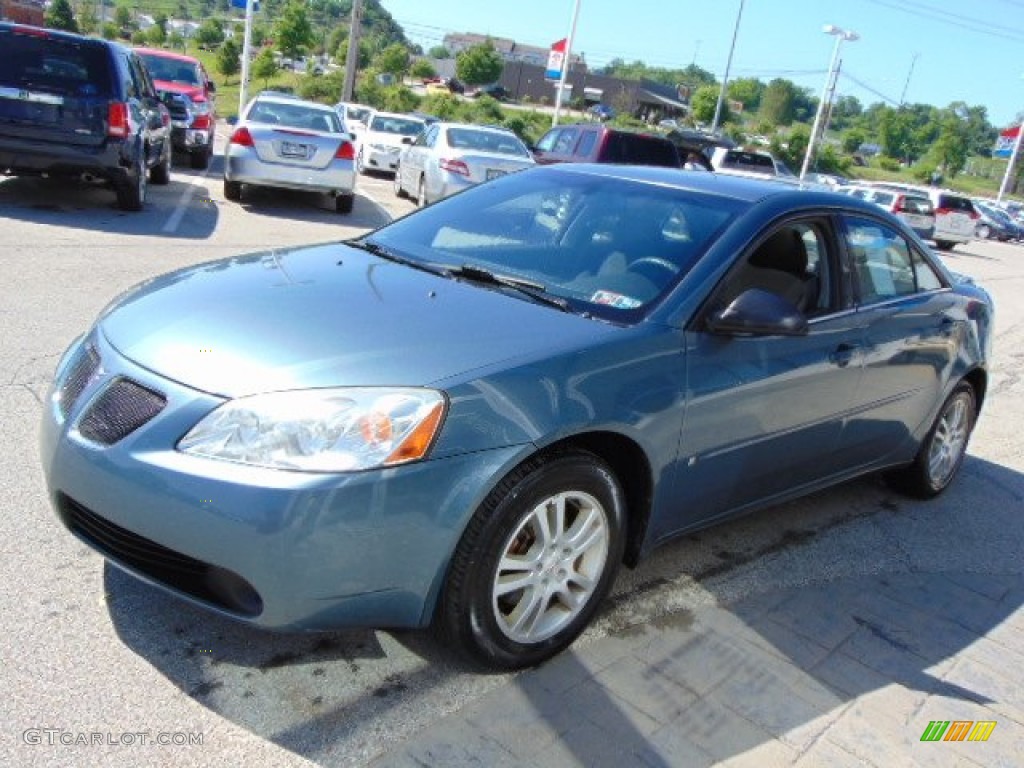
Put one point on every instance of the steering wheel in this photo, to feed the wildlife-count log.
(655, 261)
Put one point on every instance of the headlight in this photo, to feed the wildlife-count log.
(321, 430)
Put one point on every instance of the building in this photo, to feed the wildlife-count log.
(510, 50)
(23, 11)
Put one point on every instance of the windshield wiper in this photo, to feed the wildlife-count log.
(386, 253)
(536, 291)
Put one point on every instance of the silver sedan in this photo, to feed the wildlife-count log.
(449, 157)
(287, 143)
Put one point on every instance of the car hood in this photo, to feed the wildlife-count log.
(194, 92)
(326, 316)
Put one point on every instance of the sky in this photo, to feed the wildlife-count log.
(939, 51)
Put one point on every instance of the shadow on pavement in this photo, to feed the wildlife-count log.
(851, 619)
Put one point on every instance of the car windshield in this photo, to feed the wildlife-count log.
(486, 141)
(295, 116)
(610, 247)
(171, 70)
(397, 125)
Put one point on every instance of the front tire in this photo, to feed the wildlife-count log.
(535, 561)
(943, 450)
(399, 192)
(161, 172)
(201, 160)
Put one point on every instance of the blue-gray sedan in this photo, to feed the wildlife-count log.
(473, 415)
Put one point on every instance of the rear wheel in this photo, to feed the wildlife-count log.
(344, 203)
(943, 450)
(232, 190)
(131, 190)
(535, 561)
(944, 245)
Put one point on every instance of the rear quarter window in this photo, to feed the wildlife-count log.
(633, 149)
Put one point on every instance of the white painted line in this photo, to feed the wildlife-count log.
(174, 220)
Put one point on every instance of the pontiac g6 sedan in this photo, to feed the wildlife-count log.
(470, 417)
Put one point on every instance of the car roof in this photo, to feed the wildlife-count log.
(292, 101)
(739, 188)
(167, 55)
(475, 127)
(57, 34)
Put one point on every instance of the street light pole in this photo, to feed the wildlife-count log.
(243, 90)
(841, 35)
(1013, 161)
(728, 66)
(352, 52)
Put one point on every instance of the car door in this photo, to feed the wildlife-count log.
(765, 412)
(909, 327)
(157, 130)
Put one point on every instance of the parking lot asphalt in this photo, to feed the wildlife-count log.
(829, 631)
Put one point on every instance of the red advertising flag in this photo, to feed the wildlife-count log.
(555, 59)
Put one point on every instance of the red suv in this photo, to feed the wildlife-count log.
(191, 103)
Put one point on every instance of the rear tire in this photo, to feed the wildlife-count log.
(344, 203)
(943, 450)
(233, 190)
(944, 245)
(535, 561)
(131, 190)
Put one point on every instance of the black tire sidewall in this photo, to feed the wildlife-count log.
(571, 472)
(921, 465)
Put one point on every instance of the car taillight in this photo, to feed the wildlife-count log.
(897, 206)
(201, 122)
(345, 151)
(454, 166)
(117, 120)
(241, 137)
(975, 215)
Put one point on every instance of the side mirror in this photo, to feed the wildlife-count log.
(232, 120)
(210, 86)
(758, 313)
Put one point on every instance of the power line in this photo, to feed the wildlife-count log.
(953, 19)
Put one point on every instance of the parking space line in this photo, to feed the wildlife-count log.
(174, 220)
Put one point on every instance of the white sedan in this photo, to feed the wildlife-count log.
(449, 157)
(382, 140)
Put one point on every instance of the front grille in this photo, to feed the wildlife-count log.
(203, 581)
(176, 104)
(84, 367)
(121, 408)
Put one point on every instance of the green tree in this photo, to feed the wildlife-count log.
(439, 52)
(322, 88)
(87, 21)
(852, 140)
(950, 149)
(139, 37)
(229, 58)
(479, 64)
(61, 16)
(265, 66)
(176, 41)
(895, 133)
(156, 35)
(293, 33)
(398, 98)
(703, 103)
(394, 59)
(747, 90)
(123, 21)
(109, 31)
(210, 34)
(423, 69)
(778, 104)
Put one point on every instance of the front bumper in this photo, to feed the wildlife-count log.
(381, 159)
(241, 164)
(187, 139)
(278, 549)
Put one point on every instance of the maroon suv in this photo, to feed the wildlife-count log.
(597, 143)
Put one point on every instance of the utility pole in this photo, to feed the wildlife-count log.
(1013, 161)
(352, 55)
(566, 63)
(903, 96)
(728, 66)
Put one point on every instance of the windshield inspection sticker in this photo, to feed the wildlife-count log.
(616, 300)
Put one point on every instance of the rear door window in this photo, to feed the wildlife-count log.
(885, 264)
(586, 146)
(634, 149)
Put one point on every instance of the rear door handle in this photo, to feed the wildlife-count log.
(843, 354)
